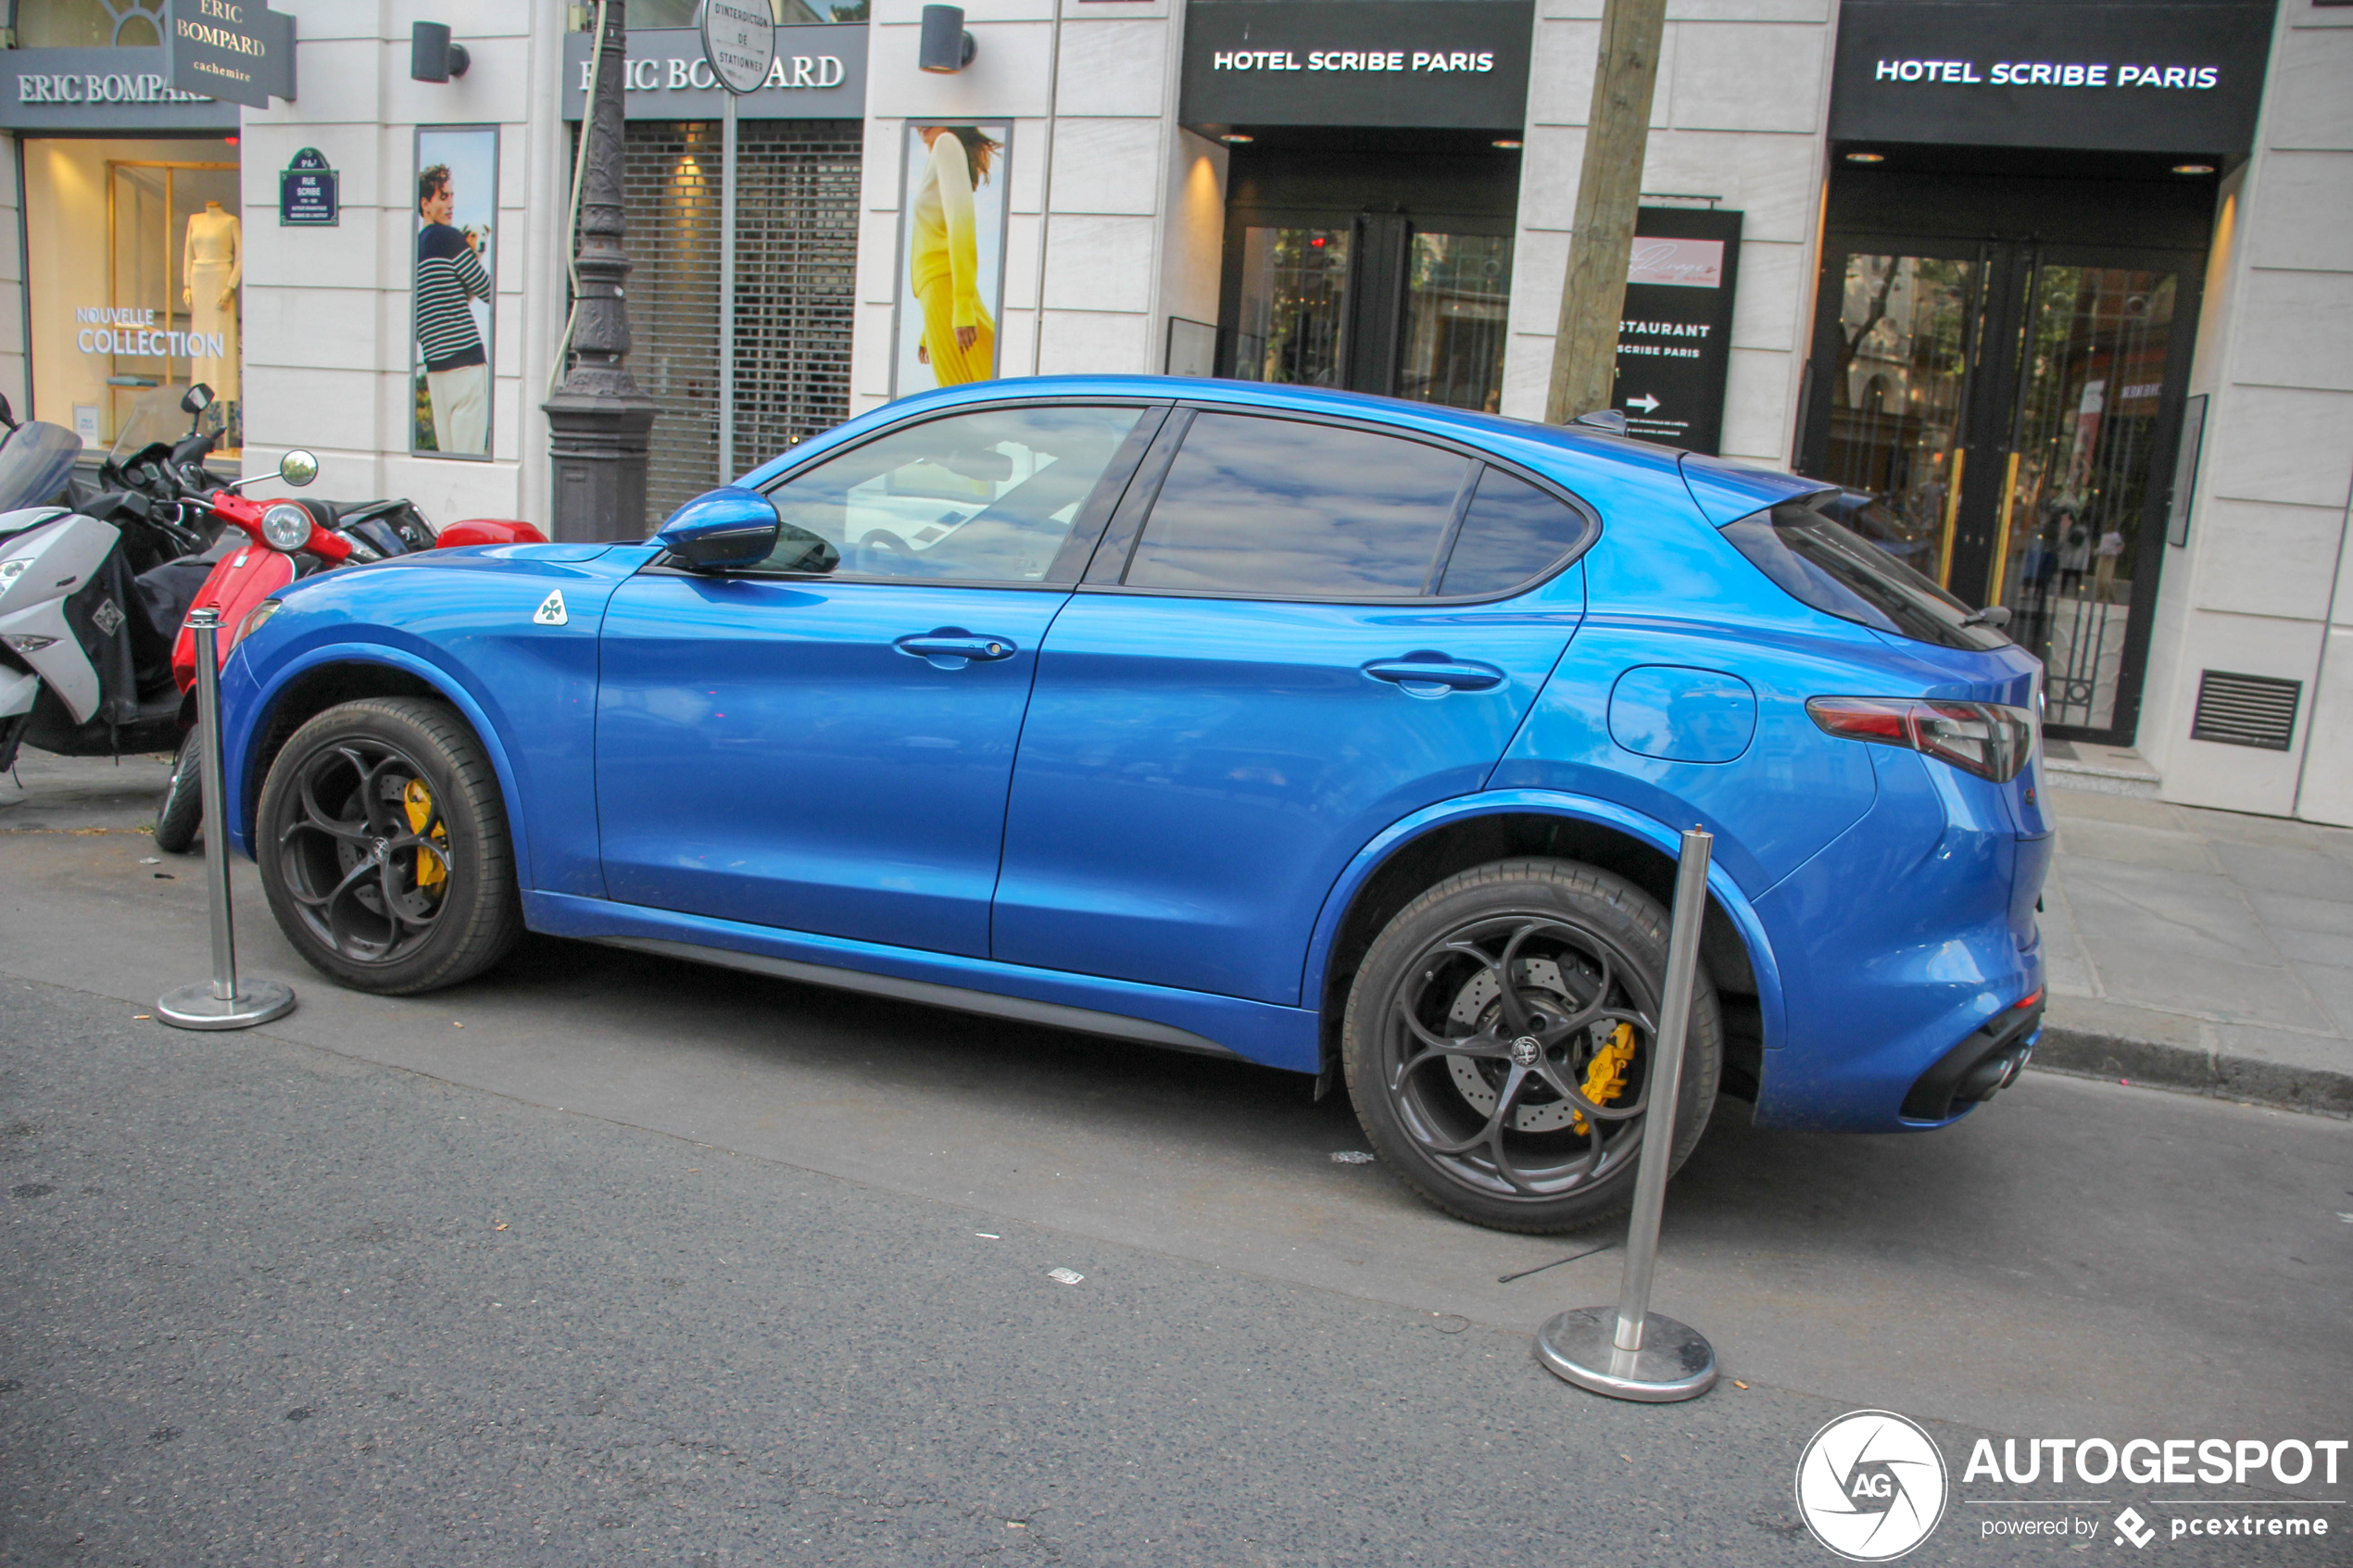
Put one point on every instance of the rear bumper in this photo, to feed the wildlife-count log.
(1898, 951)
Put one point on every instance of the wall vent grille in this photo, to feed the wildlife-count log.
(2257, 710)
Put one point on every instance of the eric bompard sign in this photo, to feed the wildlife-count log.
(240, 50)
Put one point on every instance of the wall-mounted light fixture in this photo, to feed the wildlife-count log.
(2193, 168)
(1508, 143)
(946, 48)
(432, 57)
(1866, 158)
(1237, 138)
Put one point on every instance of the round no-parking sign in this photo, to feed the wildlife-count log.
(739, 40)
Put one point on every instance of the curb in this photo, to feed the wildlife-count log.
(2094, 1054)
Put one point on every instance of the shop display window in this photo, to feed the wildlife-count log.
(134, 277)
(89, 24)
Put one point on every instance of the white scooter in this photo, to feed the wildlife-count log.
(45, 554)
(85, 658)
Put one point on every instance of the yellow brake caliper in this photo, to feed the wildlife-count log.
(431, 865)
(1605, 1074)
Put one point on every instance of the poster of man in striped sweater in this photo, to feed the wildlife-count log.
(456, 196)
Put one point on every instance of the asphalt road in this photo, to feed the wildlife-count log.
(607, 1259)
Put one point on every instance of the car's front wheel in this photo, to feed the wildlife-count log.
(383, 847)
(1499, 1041)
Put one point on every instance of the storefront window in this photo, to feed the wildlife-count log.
(89, 24)
(135, 284)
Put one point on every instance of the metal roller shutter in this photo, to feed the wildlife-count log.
(795, 255)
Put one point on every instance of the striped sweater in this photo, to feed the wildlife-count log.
(449, 274)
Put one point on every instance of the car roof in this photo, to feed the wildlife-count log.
(1609, 471)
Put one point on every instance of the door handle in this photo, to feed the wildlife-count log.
(952, 647)
(1436, 677)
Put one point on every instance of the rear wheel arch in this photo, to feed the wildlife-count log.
(1420, 862)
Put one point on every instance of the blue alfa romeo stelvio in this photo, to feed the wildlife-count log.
(1340, 734)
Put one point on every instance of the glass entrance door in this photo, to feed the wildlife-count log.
(2010, 410)
(2081, 472)
(1375, 306)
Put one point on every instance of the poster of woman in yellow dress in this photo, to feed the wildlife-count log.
(951, 280)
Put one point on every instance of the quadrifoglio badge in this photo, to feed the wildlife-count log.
(1872, 1485)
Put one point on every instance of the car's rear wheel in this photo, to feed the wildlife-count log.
(383, 847)
(1499, 1041)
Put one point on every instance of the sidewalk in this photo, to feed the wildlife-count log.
(2202, 951)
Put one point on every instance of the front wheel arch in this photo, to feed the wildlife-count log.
(337, 675)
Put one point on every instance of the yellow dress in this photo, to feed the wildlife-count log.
(945, 266)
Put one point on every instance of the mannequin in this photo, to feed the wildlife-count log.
(213, 266)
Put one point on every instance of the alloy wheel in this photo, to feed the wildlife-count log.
(366, 856)
(1517, 1051)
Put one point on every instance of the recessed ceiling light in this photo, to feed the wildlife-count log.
(1509, 143)
(1236, 138)
(1866, 158)
(2193, 168)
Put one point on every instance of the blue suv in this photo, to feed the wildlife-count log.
(1336, 733)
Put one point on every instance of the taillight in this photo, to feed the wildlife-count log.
(1985, 738)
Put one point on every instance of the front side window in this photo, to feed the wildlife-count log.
(987, 497)
(1274, 509)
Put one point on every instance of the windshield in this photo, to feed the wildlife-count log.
(1837, 571)
(34, 461)
(158, 417)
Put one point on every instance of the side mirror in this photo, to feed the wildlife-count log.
(7, 415)
(730, 526)
(297, 468)
(196, 399)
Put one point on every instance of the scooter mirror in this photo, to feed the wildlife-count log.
(7, 415)
(297, 468)
(196, 399)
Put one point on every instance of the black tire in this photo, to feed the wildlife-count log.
(1486, 1133)
(180, 814)
(379, 887)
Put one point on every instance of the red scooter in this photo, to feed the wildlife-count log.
(285, 540)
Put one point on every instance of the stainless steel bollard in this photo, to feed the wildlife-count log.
(1628, 1352)
(222, 1002)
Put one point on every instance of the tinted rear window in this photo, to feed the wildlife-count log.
(1512, 531)
(1837, 571)
(1277, 508)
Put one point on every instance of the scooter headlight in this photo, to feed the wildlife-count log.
(12, 570)
(286, 526)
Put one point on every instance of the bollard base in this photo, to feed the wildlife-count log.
(1674, 1363)
(195, 1007)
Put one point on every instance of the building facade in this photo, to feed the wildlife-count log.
(2058, 292)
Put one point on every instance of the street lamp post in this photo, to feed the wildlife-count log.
(599, 420)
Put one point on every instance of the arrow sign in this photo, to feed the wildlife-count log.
(1646, 403)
